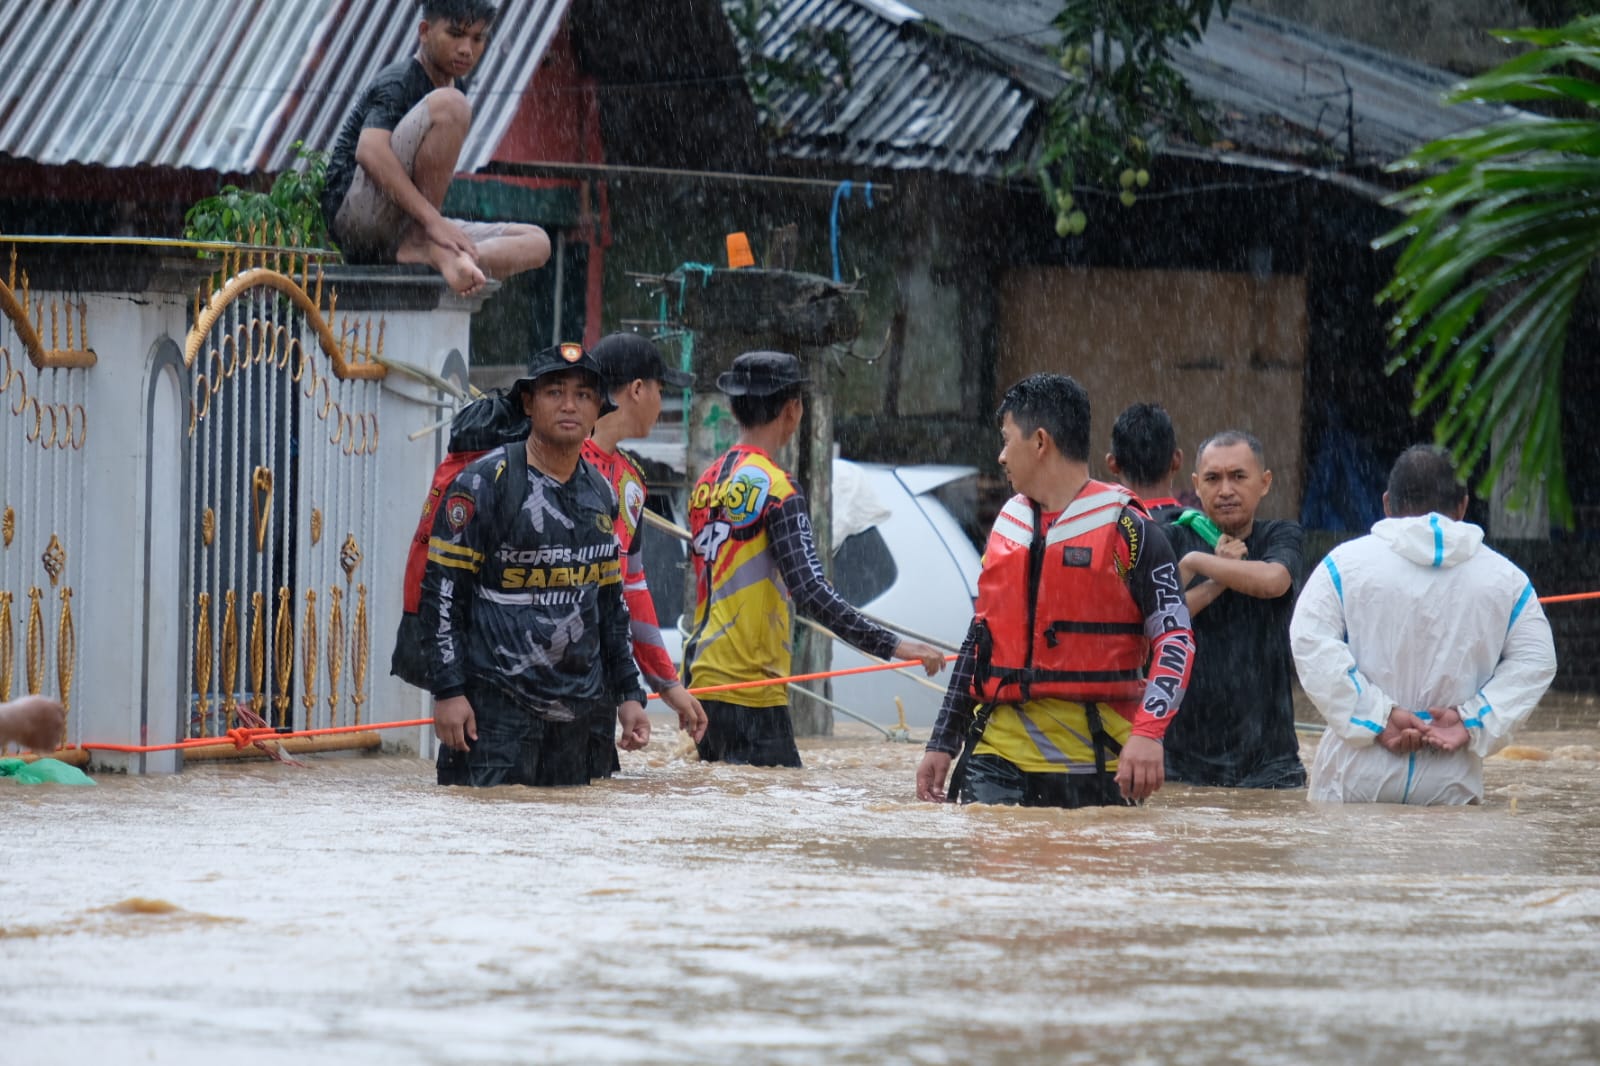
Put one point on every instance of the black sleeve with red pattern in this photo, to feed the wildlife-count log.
(955, 715)
(1153, 582)
(795, 551)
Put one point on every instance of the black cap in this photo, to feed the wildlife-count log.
(761, 374)
(567, 356)
(627, 357)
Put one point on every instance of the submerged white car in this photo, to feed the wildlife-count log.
(900, 555)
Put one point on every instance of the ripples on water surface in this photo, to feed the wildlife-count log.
(352, 912)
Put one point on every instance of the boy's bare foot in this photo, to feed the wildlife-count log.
(461, 274)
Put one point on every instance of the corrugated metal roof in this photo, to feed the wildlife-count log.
(203, 85)
(1280, 88)
(911, 102)
(227, 86)
(1263, 72)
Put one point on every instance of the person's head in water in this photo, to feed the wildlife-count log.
(766, 390)
(1423, 481)
(1044, 421)
(1231, 477)
(1144, 450)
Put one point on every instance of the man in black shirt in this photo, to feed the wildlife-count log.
(396, 155)
(1237, 725)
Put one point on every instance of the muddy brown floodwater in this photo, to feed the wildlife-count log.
(352, 912)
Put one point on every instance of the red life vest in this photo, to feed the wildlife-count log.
(476, 429)
(417, 556)
(1058, 621)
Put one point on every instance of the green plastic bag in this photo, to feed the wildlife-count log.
(1205, 528)
(43, 772)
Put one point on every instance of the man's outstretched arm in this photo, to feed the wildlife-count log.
(795, 551)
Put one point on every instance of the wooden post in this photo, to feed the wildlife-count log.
(813, 652)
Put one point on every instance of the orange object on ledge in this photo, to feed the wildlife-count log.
(739, 252)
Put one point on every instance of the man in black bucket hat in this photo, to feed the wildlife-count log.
(773, 374)
(522, 597)
(754, 560)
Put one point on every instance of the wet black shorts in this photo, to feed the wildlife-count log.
(748, 736)
(603, 761)
(1251, 771)
(991, 779)
(515, 747)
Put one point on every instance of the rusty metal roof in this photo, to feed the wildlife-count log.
(947, 85)
(230, 86)
(908, 101)
(1279, 88)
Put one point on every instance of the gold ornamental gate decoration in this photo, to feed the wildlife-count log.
(282, 482)
(45, 359)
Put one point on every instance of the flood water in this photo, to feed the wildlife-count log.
(353, 912)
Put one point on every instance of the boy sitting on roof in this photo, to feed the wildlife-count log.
(396, 156)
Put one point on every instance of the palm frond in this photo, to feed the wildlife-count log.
(1501, 229)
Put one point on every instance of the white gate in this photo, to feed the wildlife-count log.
(44, 425)
(282, 486)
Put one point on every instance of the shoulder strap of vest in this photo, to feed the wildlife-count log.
(1096, 505)
(1035, 571)
(510, 492)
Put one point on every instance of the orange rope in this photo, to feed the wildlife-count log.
(1570, 597)
(812, 677)
(243, 736)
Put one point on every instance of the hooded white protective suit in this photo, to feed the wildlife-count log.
(1418, 614)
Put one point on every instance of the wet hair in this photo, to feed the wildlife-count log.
(1424, 479)
(459, 12)
(1056, 404)
(1142, 442)
(755, 411)
(1227, 439)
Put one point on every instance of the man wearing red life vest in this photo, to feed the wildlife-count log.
(1080, 646)
(634, 375)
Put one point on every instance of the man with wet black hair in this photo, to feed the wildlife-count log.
(1422, 648)
(1145, 457)
(635, 375)
(1423, 481)
(754, 560)
(396, 156)
(1237, 728)
(1080, 646)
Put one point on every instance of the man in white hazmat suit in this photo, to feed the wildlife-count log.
(1422, 648)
